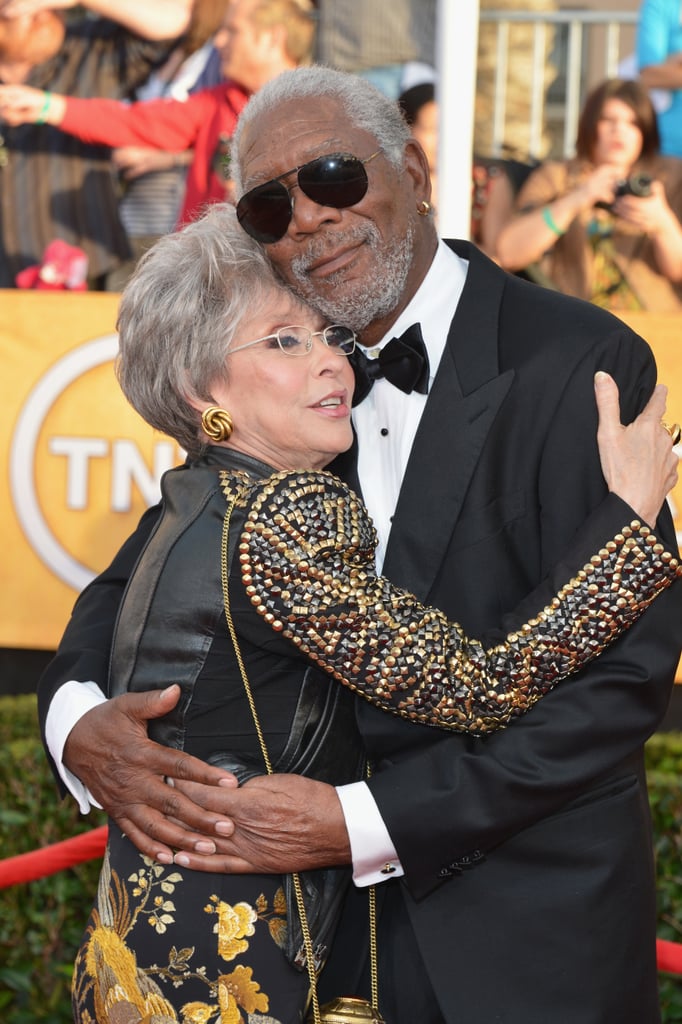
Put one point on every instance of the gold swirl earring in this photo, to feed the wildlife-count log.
(216, 423)
(424, 208)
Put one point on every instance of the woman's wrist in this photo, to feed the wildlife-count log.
(548, 218)
(665, 222)
(44, 112)
(52, 110)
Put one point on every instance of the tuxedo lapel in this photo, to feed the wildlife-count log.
(463, 403)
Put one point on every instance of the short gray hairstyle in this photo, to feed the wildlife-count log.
(365, 107)
(178, 316)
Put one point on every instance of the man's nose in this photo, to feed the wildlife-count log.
(308, 216)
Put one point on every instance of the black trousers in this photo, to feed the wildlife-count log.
(405, 992)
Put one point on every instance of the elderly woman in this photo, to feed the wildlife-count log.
(256, 590)
(605, 225)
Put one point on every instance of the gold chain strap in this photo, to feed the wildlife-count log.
(298, 891)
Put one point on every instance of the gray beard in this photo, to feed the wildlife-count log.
(368, 300)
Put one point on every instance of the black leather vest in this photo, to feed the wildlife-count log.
(172, 607)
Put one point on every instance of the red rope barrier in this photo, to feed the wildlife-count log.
(669, 956)
(27, 867)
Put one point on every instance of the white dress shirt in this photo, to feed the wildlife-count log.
(386, 423)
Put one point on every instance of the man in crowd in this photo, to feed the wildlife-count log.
(52, 186)
(514, 874)
(258, 40)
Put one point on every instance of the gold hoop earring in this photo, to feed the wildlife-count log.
(216, 423)
(424, 208)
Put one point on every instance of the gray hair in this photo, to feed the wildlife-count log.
(363, 104)
(179, 314)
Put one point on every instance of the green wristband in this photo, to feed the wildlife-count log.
(551, 223)
(45, 109)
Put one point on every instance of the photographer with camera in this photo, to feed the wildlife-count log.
(605, 225)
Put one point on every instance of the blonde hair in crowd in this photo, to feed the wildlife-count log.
(298, 19)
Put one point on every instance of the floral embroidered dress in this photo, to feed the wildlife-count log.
(307, 608)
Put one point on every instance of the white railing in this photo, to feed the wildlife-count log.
(583, 47)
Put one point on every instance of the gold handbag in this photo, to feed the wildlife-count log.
(349, 1010)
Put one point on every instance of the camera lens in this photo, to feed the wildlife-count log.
(639, 185)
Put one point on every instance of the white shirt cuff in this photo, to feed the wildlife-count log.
(69, 704)
(374, 856)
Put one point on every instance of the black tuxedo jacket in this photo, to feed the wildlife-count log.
(527, 855)
(529, 877)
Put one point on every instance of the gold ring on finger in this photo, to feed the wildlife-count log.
(674, 430)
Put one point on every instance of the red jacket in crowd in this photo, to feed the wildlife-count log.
(204, 121)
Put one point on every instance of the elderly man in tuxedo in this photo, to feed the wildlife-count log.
(514, 874)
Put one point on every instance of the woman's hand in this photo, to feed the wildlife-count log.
(600, 185)
(638, 460)
(652, 215)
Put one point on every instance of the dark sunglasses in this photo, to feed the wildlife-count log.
(338, 180)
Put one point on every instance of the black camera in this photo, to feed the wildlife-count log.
(636, 185)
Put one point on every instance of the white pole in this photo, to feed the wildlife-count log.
(456, 58)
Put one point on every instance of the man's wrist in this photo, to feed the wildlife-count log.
(373, 855)
(71, 701)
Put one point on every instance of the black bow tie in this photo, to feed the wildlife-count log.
(404, 362)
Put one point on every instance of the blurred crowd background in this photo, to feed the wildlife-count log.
(116, 118)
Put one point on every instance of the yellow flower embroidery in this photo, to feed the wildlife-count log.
(107, 971)
(162, 916)
(279, 903)
(233, 924)
(197, 1013)
(122, 992)
(237, 989)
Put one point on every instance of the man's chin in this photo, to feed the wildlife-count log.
(348, 309)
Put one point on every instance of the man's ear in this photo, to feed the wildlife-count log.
(417, 167)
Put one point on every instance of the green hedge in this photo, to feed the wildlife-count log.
(664, 772)
(41, 922)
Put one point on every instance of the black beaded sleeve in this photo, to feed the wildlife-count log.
(307, 562)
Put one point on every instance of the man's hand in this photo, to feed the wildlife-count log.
(109, 751)
(279, 823)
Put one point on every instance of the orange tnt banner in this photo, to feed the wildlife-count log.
(80, 465)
